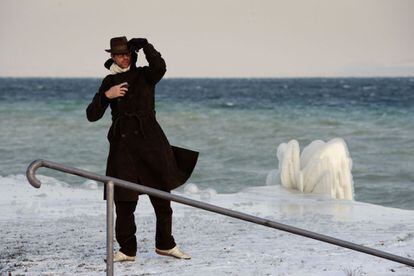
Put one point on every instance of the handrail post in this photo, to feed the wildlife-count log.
(110, 228)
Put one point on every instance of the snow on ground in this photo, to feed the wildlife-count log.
(60, 230)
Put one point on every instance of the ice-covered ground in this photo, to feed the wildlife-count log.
(59, 229)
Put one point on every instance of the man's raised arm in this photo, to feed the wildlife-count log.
(157, 67)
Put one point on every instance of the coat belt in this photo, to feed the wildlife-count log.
(138, 115)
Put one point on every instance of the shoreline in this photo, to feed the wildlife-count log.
(61, 230)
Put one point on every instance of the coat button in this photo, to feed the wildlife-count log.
(123, 135)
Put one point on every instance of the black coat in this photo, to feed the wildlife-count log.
(139, 151)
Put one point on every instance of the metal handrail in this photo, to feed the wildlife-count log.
(111, 182)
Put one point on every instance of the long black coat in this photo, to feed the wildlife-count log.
(139, 151)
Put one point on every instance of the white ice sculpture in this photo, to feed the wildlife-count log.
(323, 168)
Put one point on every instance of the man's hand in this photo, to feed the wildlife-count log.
(117, 90)
(135, 44)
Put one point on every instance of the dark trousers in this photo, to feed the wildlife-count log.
(125, 227)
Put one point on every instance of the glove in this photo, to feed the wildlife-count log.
(135, 44)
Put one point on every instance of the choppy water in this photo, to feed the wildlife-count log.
(235, 124)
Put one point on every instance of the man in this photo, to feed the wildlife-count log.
(139, 151)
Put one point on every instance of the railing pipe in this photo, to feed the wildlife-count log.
(110, 228)
(212, 208)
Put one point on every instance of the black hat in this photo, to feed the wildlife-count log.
(119, 45)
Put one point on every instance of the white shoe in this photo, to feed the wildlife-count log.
(173, 252)
(121, 257)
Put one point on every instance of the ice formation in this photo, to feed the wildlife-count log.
(323, 167)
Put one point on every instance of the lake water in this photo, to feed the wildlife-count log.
(235, 124)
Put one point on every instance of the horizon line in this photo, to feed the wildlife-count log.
(255, 77)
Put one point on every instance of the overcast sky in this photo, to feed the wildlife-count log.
(214, 38)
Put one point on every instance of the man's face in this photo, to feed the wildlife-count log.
(122, 60)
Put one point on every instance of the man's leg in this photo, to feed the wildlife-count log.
(163, 212)
(125, 227)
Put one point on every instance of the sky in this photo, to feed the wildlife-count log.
(214, 38)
